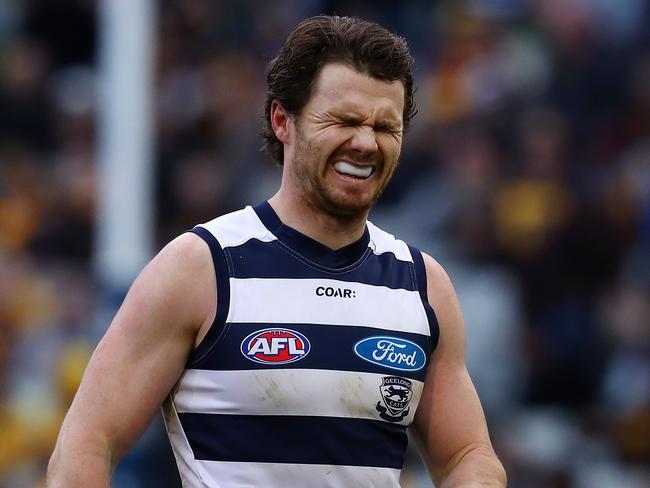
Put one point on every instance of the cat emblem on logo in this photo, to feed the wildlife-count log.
(396, 395)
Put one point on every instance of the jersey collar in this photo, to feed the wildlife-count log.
(309, 248)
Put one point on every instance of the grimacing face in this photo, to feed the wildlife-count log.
(347, 141)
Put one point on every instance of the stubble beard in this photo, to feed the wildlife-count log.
(321, 196)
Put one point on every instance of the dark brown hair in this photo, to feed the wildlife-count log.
(316, 41)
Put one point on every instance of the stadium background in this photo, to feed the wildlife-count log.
(526, 173)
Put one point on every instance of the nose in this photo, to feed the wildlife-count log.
(364, 140)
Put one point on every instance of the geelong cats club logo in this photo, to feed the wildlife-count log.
(396, 395)
(275, 346)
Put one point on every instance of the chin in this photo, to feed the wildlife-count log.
(349, 207)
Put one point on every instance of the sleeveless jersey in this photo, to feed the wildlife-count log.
(315, 363)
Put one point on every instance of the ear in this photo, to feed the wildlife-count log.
(280, 121)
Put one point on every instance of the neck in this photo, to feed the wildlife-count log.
(330, 230)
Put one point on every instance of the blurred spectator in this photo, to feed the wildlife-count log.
(26, 114)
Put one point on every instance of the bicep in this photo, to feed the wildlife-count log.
(141, 356)
(449, 419)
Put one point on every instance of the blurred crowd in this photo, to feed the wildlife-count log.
(526, 174)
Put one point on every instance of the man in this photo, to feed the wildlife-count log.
(294, 341)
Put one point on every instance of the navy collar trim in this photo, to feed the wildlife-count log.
(309, 248)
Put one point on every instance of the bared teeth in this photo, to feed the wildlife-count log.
(350, 169)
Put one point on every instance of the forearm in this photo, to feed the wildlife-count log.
(478, 467)
(80, 465)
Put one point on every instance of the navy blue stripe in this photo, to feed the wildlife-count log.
(300, 439)
(332, 348)
(421, 278)
(257, 259)
(223, 297)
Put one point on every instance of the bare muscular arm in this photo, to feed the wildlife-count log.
(450, 426)
(138, 361)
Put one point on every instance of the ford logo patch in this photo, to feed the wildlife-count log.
(275, 346)
(391, 352)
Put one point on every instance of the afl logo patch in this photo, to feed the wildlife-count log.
(275, 346)
(391, 352)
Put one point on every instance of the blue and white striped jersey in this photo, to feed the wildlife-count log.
(314, 365)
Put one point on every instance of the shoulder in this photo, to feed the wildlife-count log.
(184, 255)
(178, 283)
(439, 283)
(181, 267)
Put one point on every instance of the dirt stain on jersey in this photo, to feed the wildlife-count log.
(352, 396)
(280, 394)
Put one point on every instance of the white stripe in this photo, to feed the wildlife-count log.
(381, 242)
(294, 301)
(238, 227)
(188, 467)
(294, 392)
(268, 475)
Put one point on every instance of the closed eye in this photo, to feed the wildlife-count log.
(387, 128)
(379, 127)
